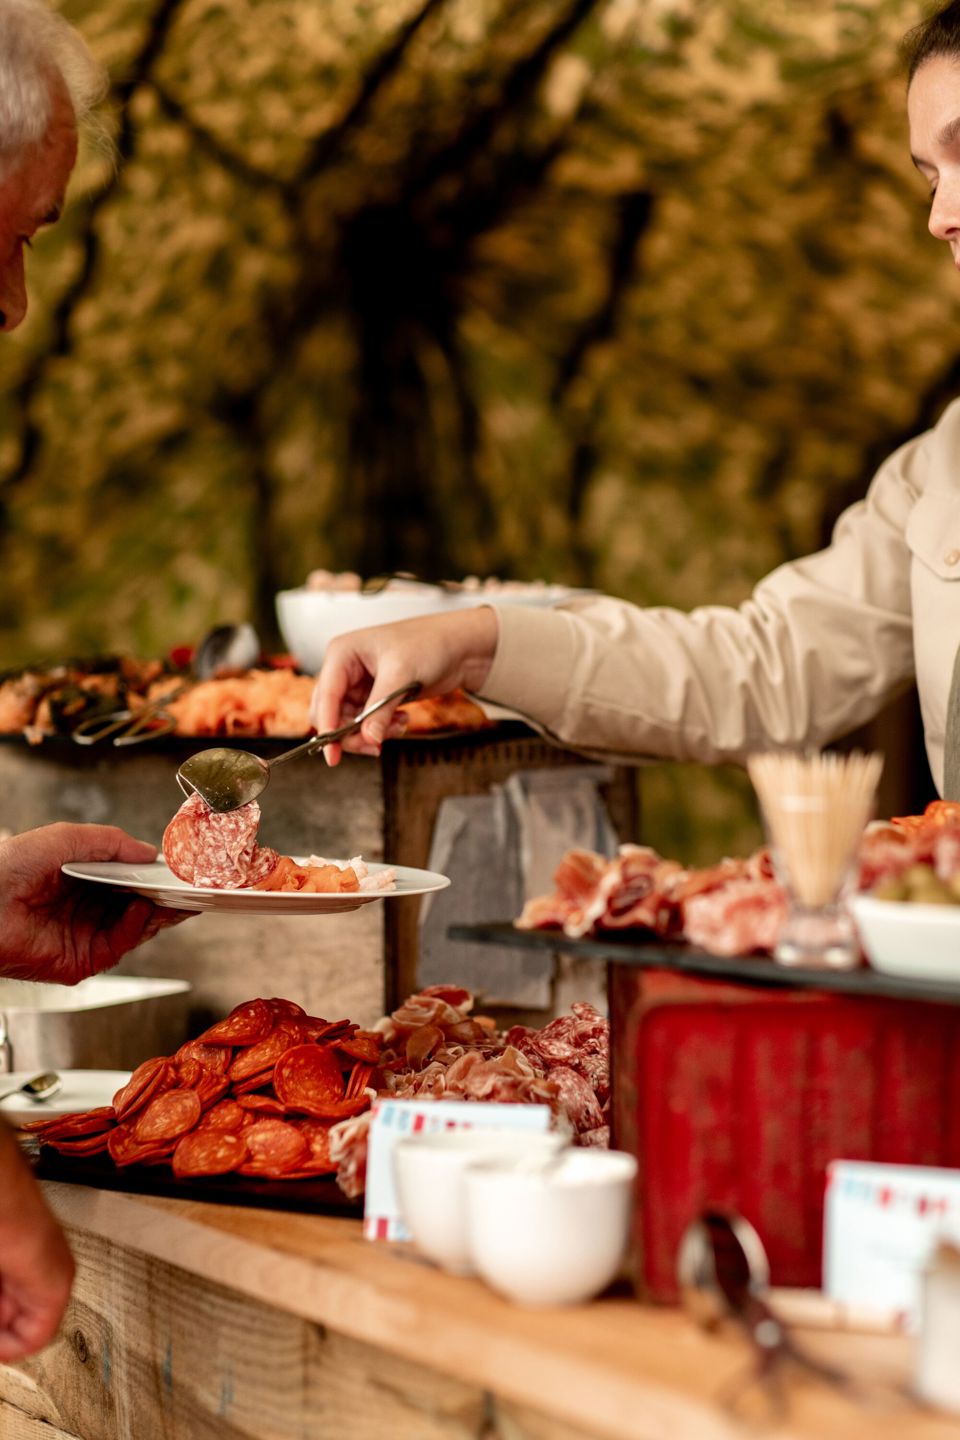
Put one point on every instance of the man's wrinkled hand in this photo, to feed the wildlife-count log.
(59, 929)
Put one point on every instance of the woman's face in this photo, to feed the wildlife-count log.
(933, 107)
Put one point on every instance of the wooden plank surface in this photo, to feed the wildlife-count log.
(613, 1369)
(14, 1425)
(149, 1351)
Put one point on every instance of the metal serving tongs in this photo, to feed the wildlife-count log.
(235, 647)
(723, 1273)
(227, 779)
(148, 723)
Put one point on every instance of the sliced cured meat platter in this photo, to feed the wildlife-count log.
(320, 1195)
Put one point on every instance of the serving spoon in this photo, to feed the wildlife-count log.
(227, 779)
(38, 1087)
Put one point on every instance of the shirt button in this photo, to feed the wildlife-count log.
(951, 557)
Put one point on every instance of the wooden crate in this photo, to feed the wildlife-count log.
(418, 776)
(738, 1099)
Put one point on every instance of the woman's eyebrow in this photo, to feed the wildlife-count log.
(945, 138)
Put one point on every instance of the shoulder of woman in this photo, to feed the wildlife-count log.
(930, 462)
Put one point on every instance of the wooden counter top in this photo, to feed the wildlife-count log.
(613, 1369)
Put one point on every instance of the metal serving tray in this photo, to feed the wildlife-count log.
(109, 1022)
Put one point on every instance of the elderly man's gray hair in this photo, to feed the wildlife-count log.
(36, 44)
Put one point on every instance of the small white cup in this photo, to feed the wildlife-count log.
(554, 1237)
(429, 1171)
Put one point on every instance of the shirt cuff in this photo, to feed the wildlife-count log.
(533, 667)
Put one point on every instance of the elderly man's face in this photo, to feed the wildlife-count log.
(31, 196)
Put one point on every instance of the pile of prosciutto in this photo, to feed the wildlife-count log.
(433, 1048)
(891, 848)
(730, 909)
(735, 908)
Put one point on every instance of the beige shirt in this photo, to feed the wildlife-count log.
(818, 648)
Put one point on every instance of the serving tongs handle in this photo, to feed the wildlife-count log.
(146, 728)
(137, 725)
(98, 727)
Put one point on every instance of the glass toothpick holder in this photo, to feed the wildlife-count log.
(815, 808)
(818, 931)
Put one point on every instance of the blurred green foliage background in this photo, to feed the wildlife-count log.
(623, 293)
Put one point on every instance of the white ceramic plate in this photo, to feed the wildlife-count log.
(82, 1090)
(921, 942)
(160, 885)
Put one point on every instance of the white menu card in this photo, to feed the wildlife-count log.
(881, 1226)
(394, 1120)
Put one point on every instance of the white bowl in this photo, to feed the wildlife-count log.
(310, 619)
(899, 937)
(553, 1238)
(429, 1171)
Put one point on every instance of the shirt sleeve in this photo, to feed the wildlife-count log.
(820, 646)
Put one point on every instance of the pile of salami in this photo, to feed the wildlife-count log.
(432, 1047)
(275, 1093)
(256, 1094)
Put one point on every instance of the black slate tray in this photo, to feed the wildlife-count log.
(319, 1196)
(644, 952)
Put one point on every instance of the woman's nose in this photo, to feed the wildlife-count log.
(944, 219)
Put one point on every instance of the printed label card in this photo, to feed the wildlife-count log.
(395, 1120)
(882, 1224)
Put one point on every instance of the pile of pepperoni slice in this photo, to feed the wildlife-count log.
(255, 1095)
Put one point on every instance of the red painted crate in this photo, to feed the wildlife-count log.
(739, 1098)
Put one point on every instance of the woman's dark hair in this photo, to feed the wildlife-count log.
(939, 34)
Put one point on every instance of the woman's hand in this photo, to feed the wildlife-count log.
(55, 928)
(36, 1267)
(443, 652)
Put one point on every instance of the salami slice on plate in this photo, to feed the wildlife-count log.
(216, 850)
